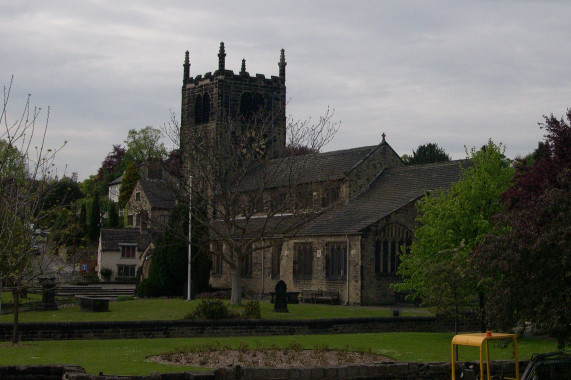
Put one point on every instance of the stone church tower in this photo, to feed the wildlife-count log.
(222, 101)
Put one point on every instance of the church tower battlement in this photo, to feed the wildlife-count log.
(222, 100)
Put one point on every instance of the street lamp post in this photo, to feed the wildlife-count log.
(188, 289)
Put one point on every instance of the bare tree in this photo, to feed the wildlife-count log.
(26, 180)
(248, 190)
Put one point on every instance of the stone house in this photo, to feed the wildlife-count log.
(127, 251)
(150, 204)
(120, 250)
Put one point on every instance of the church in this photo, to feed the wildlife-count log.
(361, 200)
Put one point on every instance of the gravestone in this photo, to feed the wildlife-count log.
(48, 294)
(280, 304)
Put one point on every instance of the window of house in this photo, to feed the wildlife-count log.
(217, 258)
(377, 256)
(137, 220)
(126, 271)
(130, 220)
(336, 260)
(304, 198)
(276, 261)
(303, 260)
(330, 196)
(128, 251)
(137, 196)
(393, 239)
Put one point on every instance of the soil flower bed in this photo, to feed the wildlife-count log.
(269, 358)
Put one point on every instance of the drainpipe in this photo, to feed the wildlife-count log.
(347, 274)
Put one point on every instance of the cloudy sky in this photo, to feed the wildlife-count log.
(452, 72)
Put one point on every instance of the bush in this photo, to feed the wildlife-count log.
(210, 309)
(252, 310)
(106, 274)
(148, 288)
(90, 278)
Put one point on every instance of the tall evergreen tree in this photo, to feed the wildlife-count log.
(169, 263)
(94, 218)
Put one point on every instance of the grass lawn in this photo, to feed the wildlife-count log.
(7, 298)
(170, 309)
(127, 357)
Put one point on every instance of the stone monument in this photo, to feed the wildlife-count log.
(280, 303)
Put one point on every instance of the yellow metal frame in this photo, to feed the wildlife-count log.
(478, 340)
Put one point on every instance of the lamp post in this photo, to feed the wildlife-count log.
(189, 238)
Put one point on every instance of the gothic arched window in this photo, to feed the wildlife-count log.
(392, 239)
(205, 108)
(198, 110)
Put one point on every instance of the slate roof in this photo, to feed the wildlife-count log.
(390, 191)
(116, 181)
(111, 238)
(159, 194)
(317, 167)
(273, 227)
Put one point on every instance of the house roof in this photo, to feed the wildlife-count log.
(310, 168)
(116, 181)
(111, 238)
(159, 193)
(390, 190)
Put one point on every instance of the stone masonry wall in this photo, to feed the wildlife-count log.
(377, 371)
(184, 329)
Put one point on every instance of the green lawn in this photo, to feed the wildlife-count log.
(169, 309)
(7, 298)
(124, 357)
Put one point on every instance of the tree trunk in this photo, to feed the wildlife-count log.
(16, 296)
(236, 298)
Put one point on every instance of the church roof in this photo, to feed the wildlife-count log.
(310, 168)
(112, 238)
(393, 189)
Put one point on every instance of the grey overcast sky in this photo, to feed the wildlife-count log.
(452, 72)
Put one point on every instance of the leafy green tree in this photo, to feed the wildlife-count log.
(83, 219)
(12, 162)
(426, 154)
(145, 144)
(452, 223)
(128, 183)
(525, 262)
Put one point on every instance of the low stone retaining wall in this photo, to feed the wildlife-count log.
(381, 371)
(184, 328)
(39, 372)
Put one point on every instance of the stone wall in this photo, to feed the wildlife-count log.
(221, 328)
(39, 372)
(262, 282)
(378, 371)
